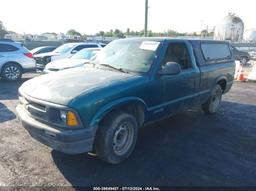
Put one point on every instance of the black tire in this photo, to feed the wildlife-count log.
(106, 143)
(211, 106)
(11, 72)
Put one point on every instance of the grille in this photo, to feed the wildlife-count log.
(39, 60)
(43, 60)
(41, 112)
(36, 110)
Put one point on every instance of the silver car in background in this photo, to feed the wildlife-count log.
(15, 60)
(77, 60)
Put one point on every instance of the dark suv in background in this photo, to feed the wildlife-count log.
(240, 55)
(43, 49)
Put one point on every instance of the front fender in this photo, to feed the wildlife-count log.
(103, 111)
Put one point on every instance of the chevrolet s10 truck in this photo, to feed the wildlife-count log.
(131, 83)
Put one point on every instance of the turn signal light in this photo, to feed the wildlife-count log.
(71, 119)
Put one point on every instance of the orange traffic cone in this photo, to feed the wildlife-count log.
(240, 76)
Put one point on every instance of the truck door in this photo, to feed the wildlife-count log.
(179, 91)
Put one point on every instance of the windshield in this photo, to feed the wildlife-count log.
(85, 54)
(64, 48)
(130, 55)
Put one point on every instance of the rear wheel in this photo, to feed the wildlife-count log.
(211, 106)
(11, 72)
(116, 137)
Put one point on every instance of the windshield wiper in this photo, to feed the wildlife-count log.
(114, 68)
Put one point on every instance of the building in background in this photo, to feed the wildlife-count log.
(14, 36)
(50, 36)
(230, 28)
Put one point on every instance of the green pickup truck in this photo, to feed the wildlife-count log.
(131, 83)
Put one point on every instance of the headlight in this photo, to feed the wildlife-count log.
(69, 118)
(47, 59)
(63, 116)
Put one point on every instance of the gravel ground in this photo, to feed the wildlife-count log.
(189, 149)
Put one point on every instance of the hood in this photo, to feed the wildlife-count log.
(63, 86)
(46, 54)
(65, 63)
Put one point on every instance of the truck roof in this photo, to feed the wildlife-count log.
(196, 44)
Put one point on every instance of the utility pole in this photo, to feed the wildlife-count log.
(146, 19)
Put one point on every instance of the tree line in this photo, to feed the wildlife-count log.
(122, 34)
(3, 30)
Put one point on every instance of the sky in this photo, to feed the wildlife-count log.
(91, 16)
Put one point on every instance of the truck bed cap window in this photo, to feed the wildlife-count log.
(215, 51)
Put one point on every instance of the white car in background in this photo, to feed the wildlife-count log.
(64, 51)
(252, 74)
(77, 60)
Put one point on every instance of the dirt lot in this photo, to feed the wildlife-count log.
(190, 149)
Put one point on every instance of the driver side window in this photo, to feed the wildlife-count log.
(178, 52)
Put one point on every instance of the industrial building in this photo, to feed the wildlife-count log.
(230, 28)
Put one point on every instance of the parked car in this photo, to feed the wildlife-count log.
(240, 55)
(43, 49)
(77, 60)
(132, 83)
(252, 55)
(15, 59)
(63, 51)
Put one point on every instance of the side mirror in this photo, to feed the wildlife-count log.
(170, 68)
(74, 51)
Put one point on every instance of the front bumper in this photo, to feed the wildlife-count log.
(66, 141)
(28, 64)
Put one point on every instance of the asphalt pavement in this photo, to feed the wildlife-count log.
(189, 149)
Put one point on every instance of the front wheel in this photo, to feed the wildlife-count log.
(116, 137)
(211, 106)
(11, 72)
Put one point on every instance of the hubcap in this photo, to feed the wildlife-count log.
(123, 138)
(12, 72)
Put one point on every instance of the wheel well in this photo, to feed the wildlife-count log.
(222, 84)
(135, 109)
(11, 63)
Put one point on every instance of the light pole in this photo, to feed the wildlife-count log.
(146, 19)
